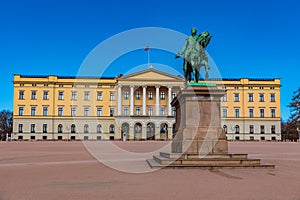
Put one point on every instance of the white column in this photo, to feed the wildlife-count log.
(119, 100)
(157, 101)
(169, 101)
(131, 99)
(144, 100)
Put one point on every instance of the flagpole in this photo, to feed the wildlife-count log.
(149, 57)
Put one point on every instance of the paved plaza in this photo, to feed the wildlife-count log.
(66, 170)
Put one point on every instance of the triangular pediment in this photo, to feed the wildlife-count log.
(150, 75)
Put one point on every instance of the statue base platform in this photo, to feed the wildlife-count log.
(199, 141)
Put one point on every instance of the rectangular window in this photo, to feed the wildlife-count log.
(137, 95)
(236, 112)
(138, 111)
(45, 110)
(21, 94)
(99, 111)
(150, 95)
(126, 95)
(86, 96)
(224, 112)
(60, 95)
(272, 97)
(173, 111)
(236, 97)
(45, 127)
(112, 96)
(86, 111)
(251, 112)
(262, 112)
(162, 111)
(262, 129)
(224, 98)
(74, 96)
(251, 129)
(45, 95)
(273, 130)
(162, 96)
(150, 111)
(261, 97)
(126, 111)
(73, 111)
(20, 128)
(250, 97)
(33, 95)
(99, 96)
(173, 95)
(32, 128)
(21, 111)
(111, 111)
(60, 111)
(33, 111)
(273, 114)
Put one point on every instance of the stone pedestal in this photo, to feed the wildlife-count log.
(199, 141)
(198, 125)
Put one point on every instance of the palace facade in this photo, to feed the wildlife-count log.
(135, 106)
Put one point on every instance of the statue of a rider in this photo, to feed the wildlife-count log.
(194, 54)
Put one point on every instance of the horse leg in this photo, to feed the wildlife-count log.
(206, 72)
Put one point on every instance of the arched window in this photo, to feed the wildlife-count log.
(111, 128)
(59, 128)
(125, 128)
(225, 128)
(86, 128)
(164, 131)
(237, 129)
(73, 128)
(137, 128)
(164, 128)
(150, 131)
(99, 128)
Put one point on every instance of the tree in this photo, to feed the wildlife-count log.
(294, 121)
(5, 124)
(284, 136)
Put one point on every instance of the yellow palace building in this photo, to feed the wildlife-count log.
(135, 106)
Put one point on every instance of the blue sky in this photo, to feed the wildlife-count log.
(255, 39)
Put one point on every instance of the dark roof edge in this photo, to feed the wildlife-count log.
(110, 77)
(67, 77)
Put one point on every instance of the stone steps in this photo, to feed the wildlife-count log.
(187, 156)
(205, 161)
(154, 164)
(210, 161)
